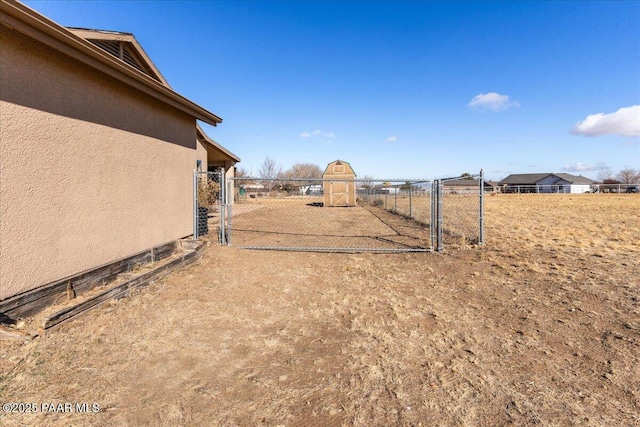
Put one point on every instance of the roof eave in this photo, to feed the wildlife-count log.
(213, 143)
(21, 18)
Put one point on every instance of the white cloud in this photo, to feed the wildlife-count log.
(392, 138)
(492, 101)
(624, 122)
(318, 133)
(581, 167)
(532, 165)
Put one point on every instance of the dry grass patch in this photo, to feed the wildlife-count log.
(541, 327)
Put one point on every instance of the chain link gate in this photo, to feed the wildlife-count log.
(333, 215)
(458, 211)
(211, 212)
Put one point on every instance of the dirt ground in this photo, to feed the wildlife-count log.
(304, 223)
(540, 327)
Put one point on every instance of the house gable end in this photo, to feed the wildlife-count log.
(16, 17)
(124, 47)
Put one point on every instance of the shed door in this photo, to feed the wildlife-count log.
(338, 194)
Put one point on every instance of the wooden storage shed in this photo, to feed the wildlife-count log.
(339, 184)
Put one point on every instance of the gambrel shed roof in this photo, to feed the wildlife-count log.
(343, 168)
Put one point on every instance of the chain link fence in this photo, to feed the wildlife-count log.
(410, 199)
(366, 215)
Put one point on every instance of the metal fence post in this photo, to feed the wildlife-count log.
(395, 200)
(230, 212)
(410, 213)
(440, 215)
(222, 200)
(481, 237)
(432, 222)
(195, 204)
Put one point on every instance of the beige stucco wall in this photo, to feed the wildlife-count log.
(91, 171)
(201, 155)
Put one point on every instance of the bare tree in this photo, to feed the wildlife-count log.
(244, 175)
(269, 170)
(628, 176)
(304, 170)
(366, 181)
(300, 172)
(604, 175)
(241, 173)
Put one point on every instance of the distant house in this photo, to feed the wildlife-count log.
(311, 190)
(546, 183)
(97, 152)
(465, 185)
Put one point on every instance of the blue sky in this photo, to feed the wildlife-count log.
(399, 89)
